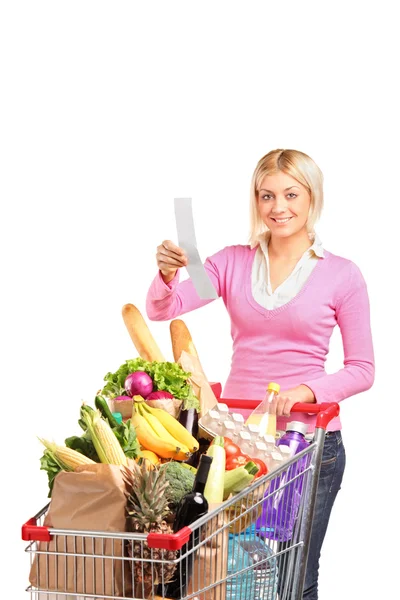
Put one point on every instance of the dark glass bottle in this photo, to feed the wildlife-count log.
(191, 507)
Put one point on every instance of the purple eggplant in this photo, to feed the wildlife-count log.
(190, 420)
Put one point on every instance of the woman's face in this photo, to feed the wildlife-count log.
(283, 204)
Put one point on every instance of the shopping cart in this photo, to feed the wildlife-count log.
(225, 555)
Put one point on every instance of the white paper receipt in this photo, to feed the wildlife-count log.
(187, 241)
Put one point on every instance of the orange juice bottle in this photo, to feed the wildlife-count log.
(264, 415)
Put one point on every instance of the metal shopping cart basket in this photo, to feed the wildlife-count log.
(254, 546)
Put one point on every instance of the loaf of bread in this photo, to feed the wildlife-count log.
(181, 339)
(140, 334)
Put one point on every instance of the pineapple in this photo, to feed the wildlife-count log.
(147, 509)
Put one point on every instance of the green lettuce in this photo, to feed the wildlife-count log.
(166, 376)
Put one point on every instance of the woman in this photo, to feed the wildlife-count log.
(284, 294)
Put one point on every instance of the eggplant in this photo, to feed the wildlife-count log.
(190, 420)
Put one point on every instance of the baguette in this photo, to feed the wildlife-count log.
(140, 334)
(181, 339)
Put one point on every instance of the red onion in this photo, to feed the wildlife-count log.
(139, 383)
(122, 399)
(159, 395)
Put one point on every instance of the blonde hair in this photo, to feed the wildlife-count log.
(299, 166)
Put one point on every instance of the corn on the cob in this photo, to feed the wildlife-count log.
(106, 444)
(67, 458)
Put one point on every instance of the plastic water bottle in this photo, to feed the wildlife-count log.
(260, 582)
(282, 504)
(239, 587)
(264, 414)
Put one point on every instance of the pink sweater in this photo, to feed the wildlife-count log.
(289, 344)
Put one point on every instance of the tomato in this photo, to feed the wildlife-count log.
(231, 449)
(240, 460)
(262, 467)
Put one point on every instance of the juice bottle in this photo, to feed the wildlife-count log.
(264, 415)
(283, 497)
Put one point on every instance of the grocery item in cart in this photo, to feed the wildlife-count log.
(50, 548)
(264, 414)
(261, 581)
(148, 511)
(140, 334)
(192, 506)
(280, 510)
(186, 355)
(91, 499)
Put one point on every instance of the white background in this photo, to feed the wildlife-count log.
(109, 111)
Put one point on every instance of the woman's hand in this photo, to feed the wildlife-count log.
(170, 258)
(285, 400)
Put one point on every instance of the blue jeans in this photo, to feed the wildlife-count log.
(330, 479)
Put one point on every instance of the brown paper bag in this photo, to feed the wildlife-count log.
(211, 561)
(198, 380)
(93, 498)
(242, 514)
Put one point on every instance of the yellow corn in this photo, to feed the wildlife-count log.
(67, 458)
(107, 446)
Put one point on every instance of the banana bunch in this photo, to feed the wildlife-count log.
(161, 433)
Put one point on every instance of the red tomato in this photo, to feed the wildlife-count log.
(231, 449)
(262, 467)
(236, 461)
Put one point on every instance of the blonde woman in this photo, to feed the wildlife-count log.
(284, 293)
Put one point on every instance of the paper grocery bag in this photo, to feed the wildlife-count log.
(93, 498)
(198, 380)
(211, 560)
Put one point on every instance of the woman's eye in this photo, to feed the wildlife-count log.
(266, 197)
(293, 195)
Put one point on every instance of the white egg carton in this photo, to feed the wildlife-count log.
(219, 421)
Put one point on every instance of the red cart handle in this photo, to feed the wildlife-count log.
(35, 533)
(326, 411)
(173, 541)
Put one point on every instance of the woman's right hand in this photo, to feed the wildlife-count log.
(170, 258)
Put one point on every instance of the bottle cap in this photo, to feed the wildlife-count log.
(297, 426)
(275, 387)
(117, 416)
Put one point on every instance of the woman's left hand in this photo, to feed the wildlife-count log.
(286, 399)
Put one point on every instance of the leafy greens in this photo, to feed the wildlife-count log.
(166, 376)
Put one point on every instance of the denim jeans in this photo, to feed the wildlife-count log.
(330, 479)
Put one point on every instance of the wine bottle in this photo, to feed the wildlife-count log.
(192, 506)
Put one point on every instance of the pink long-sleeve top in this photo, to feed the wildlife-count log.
(287, 345)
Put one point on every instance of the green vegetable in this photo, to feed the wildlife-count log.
(180, 481)
(237, 479)
(84, 409)
(214, 490)
(101, 404)
(126, 435)
(84, 445)
(124, 432)
(166, 376)
(47, 463)
(190, 467)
